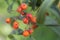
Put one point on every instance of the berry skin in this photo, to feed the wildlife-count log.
(8, 20)
(30, 31)
(33, 20)
(22, 13)
(29, 16)
(24, 6)
(25, 20)
(19, 9)
(34, 26)
(15, 25)
(26, 33)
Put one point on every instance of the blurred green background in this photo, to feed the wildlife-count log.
(41, 33)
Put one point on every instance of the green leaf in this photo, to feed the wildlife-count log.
(42, 9)
(55, 13)
(26, 1)
(44, 33)
(39, 2)
(18, 1)
(7, 2)
(33, 3)
(51, 21)
(56, 30)
(56, 2)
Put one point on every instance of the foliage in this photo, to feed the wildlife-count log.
(48, 26)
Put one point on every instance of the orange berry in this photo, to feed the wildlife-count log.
(24, 6)
(19, 9)
(15, 25)
(8, 20)
(26, 33)
(25, 20)
(33, 20)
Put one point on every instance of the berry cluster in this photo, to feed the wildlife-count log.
(28, 19)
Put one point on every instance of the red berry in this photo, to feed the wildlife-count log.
(15, 25)
(34, 26)
(30, 31)
(29, 16)
(26, 33)
(24, 6)
(33, 20)
(19, 9)
(25, 20)
(8, 20)
(22, 13)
